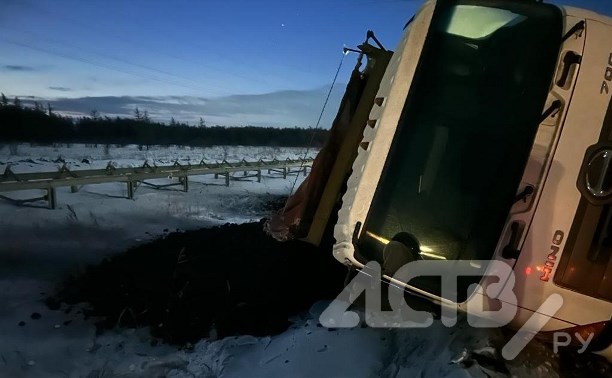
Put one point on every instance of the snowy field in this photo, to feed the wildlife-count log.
(40, 246)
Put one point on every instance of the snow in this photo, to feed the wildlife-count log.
(40, 246)
(101, 215)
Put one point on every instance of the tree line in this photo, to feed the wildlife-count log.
(41, 124)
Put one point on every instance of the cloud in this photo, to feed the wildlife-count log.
(277, 109)
(16, 67)
(60, 89)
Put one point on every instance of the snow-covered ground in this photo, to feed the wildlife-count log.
(99, 219)
(40, 246)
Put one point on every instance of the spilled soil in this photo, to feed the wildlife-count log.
(216, 282)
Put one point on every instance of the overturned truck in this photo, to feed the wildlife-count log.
(486, 136)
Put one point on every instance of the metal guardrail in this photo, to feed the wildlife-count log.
(49, 181)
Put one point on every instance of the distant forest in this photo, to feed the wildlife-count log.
(41, 124)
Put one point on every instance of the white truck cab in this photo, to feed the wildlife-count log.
(491, 139)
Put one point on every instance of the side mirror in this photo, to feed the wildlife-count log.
(595, 177)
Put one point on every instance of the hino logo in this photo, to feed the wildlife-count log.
(551, 259)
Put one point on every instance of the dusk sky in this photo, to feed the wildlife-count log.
(231, 62)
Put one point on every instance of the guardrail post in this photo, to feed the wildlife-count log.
(74, 188)
(259, 175)
(51, 198)
(284, 172)
(304, 171)
(185, 182)
(227, 179)
(130, 190)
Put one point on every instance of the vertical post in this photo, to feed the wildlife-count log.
(216, 175)
(259, 175)
(304, 171)
(74, 188)
(130, 190)
(51, 198)
(185, 182)
(245, 173)
(284, 172)
(227, 178)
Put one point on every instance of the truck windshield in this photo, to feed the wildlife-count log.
(466, 130)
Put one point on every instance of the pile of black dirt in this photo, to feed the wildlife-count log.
(229, 280)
